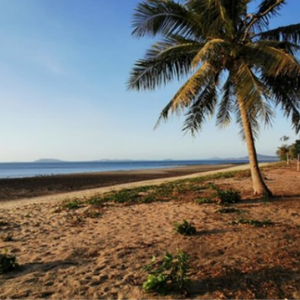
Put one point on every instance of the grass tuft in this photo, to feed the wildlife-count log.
(185, 228)
(167, 274)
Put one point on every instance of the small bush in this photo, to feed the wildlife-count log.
(167, 274)
(212, 186)
(228, 196)
(8, 263)
(203, 201)
(72, 204)
(185, 228)
(255, 223)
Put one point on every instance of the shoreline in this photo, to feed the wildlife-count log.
(15, 189)
(60, 196)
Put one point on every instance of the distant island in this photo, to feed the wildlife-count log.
(48, 160)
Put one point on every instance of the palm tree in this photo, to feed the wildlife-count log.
(231, 60)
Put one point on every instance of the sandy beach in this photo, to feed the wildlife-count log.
(97, 252)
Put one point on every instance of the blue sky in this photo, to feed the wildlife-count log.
(64, 65)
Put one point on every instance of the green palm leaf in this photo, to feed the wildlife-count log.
(164, 17)
(172, 58)
(203, 106)
(289, 33)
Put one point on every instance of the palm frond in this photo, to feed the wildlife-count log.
(288, 47)
(203, 107)
(272, 60)
(165, 61)
(260, 19)
(253, 93)
(213, 16)
(236, 11)
(190, 91)
(289, 33)
(227, 103)
(286, 91)
(191, 88)
(164, 17)
(214, 49)
(268, 9)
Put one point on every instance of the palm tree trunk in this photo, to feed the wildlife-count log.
(259, 186)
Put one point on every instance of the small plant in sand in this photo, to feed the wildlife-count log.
(167, 274)
(185, 228)
(252, 222)
(204, 201)
(93, 213)
(76, 219)
(230, 196)
(72, 204)
(228, 210)
(212, 186)
(7, 238)
(8, 262)
(96, 201)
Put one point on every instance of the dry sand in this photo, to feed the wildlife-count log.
(65, 257)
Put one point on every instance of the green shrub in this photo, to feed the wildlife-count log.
(8, 263)
(167, 274)
(185, 228)
(72, 204)
(230, 196)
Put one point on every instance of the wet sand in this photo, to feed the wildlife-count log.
(19, 188)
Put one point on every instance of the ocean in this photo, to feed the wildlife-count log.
(19, 170)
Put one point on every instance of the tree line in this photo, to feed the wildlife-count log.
(288, 151)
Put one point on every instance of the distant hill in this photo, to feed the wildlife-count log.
(48, 160)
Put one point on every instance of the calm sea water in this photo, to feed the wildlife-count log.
(17, 170)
